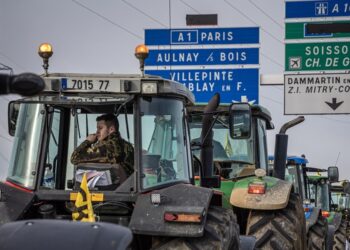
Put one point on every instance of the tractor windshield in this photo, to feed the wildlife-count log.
(26, 148)
(344, 201)
(341, 199)
(50, 129)
(234, 157)
(323, 196)
(165, 154)
(294, 175)
(319, 190)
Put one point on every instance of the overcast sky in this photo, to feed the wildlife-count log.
(100, 36)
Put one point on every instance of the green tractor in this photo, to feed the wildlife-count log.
(158, 202)
(265, 206)
(340, 202)
(319, 190)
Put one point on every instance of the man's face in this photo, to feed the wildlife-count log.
(103, 131)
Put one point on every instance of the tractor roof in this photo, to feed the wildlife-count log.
(109, 84)
(292, 160)
(297, 160)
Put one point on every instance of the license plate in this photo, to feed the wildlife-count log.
(91, 84)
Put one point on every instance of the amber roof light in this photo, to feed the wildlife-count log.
(141, 53)
(45, 52)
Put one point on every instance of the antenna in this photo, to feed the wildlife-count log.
(5, 67)
(337, 159)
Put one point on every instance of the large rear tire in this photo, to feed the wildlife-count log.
(221, 232)
(279, 229)
(340, 237)
(317, 235)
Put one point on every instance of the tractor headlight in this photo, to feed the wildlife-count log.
(149, 88)
(155, 199)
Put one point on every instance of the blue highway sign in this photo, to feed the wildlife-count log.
(311, 9)
(203, 56)
(232, 84)
(249, 35)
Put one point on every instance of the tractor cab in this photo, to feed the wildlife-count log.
(340, 195)
(319, 190)
(239, 140)
(319, 186)
(340, 192)
(294, 174)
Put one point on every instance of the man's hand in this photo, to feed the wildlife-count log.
(92, 138)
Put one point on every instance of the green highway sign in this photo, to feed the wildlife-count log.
(298, 31)
(317, 56)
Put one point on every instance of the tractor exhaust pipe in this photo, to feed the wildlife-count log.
(206, 155)
(281, 147)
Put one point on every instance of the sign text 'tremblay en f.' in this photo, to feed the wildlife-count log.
(207, 61)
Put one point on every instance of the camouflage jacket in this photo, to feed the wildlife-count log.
(113, 149)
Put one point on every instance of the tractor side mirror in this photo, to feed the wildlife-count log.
(346, 187)
(13, 110)
(333, 174)
(240, 120)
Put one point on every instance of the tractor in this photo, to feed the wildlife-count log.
(158, 202)
(319, 190)
(319, 233)
(265, 206)
(340, 202)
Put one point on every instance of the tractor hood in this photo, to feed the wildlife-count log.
(276, 194)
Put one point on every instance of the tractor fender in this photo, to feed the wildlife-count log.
(14, 202)
(276, 194)
(63, 234)
(330, 236)
(336, 220)
(312, 217)
(247, 242)
(149, 218)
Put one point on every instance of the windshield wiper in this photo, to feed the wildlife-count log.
(222, 123)
(117, 112)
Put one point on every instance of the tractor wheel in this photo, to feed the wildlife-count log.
(221, 232)
(340, 237)
(279, 229)
(317, 234)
